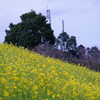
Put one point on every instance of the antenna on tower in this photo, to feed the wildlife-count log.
(62, 26)
(49, 16)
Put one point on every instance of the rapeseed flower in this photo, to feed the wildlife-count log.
(6, 94)
(1, 98)
(26, 75)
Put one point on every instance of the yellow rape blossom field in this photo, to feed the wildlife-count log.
(25, 75)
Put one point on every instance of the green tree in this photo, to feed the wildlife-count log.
(31, 31)
(71, 44)
(95, 52)
(62, 40)
(94, 49)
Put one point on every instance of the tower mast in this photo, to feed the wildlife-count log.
(62, 26)
(49, 16)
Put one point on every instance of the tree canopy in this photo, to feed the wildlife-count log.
(62, 40)
(71, 44)
(65, 42)
(31, 31)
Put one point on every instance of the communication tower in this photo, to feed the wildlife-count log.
(49, 16)
(62, 26)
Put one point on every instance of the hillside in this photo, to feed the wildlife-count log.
(26, 75)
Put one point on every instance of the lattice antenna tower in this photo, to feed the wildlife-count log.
(49, 16)
(62, 26)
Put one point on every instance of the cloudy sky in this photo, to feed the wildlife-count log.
(81, 17)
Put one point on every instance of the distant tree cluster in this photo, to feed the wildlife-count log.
(34, 30)
(66, 43)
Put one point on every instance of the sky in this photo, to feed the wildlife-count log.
(81, 17)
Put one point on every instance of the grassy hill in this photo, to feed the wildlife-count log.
(25, 75)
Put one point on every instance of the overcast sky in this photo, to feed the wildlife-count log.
(81, 17)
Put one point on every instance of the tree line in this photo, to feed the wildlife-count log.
(34, 30)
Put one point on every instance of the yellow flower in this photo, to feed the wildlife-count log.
(7, 87)
(1, 98)
(3, 80)
(58, 95)
(46, 99)
(48, 92)
(14, 95)
(15, 87)
(41, 74)
(28, 68)
(53, 96)
(34, 97)
(34, 71)
(36, 92)
(43, 66)
(75, 94)
(65, 73)
(15, 78)
(35, 87)
(6, 94)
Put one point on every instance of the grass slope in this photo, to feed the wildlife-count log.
(25, 75)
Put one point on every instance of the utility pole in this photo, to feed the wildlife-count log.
(62, 26)
(49, 16)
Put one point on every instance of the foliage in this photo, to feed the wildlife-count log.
(25, 75)
(81, 50)
(95, 53)
(62, 40)
(72, 44)
(94, 49)
(31, 31)
(65, 42)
